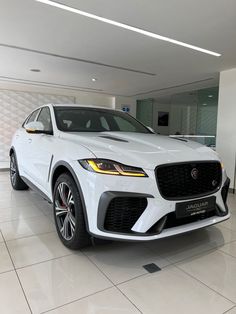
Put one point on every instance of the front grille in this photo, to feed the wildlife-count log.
(188, 180)
(123, 212)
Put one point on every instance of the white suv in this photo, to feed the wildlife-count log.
(109, 176)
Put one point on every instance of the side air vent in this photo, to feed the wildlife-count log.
(123, 212)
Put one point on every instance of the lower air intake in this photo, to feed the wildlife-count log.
(123, 212)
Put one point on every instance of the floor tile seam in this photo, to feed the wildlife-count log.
(76, 300)
(226, 253)
(30, 236)
(18, 278)
(113, 284)
(198, 280)
(171, 262)
(22, 219)
(227, 311)
(42, 262)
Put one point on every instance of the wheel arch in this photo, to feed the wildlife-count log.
(63, 167)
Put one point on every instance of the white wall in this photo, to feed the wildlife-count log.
(18, 100)
(15, 106)
(226, 122)
(82, 97)
(119, 102)
(94, 99)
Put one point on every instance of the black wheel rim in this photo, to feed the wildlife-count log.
(13, 169)
(65, 211)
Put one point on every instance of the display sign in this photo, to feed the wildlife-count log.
(163, 118)
(125, 108)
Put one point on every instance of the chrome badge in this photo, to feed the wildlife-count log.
(194, 173)
(214, 183)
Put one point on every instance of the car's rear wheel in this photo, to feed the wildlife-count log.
(68, 213)
(16, 181)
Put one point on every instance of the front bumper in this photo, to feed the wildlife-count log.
(99, 190)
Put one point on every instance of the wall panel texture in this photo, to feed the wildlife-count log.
(15, 106)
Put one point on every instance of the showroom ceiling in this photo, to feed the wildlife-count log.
(71, 50)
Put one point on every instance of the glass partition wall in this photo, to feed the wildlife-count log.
(189, 114)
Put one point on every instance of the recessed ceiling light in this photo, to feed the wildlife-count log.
(35, 70)
(125, 26)
(210, 96)
(204, 104)
(94, 79)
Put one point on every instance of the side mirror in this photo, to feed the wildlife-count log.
(36, 127)
(151, 129)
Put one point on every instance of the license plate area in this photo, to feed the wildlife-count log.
(196, 207)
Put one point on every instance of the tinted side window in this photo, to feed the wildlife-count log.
(74, 119)
(104, 123)
(45, 118)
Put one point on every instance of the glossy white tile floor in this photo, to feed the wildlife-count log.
(39, 275)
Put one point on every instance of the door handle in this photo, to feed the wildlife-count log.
(29, 140)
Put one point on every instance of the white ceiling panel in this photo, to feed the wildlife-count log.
(116, 57)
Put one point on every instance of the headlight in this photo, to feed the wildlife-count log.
(111, 167)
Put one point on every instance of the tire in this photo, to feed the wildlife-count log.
(16, 181)
(68, 213)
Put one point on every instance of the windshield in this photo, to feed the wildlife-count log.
(76, 119)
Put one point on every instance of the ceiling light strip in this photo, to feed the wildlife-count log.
(128, 27)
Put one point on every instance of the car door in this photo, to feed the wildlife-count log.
(41, 151)
(22, 143)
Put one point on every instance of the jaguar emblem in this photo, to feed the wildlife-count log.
(194, 173)
(214, 183)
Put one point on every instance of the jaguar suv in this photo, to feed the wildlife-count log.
(109, 176)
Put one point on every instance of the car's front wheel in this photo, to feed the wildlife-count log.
(16, 181)
(68, 213)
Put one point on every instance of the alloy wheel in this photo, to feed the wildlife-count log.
(65, 211)
(13, 169)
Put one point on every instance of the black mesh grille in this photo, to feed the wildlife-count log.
(176, 181)
(123, 212)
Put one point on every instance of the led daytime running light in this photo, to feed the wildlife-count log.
(96, 169)
(118, 169)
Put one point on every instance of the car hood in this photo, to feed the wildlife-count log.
(139, 149)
